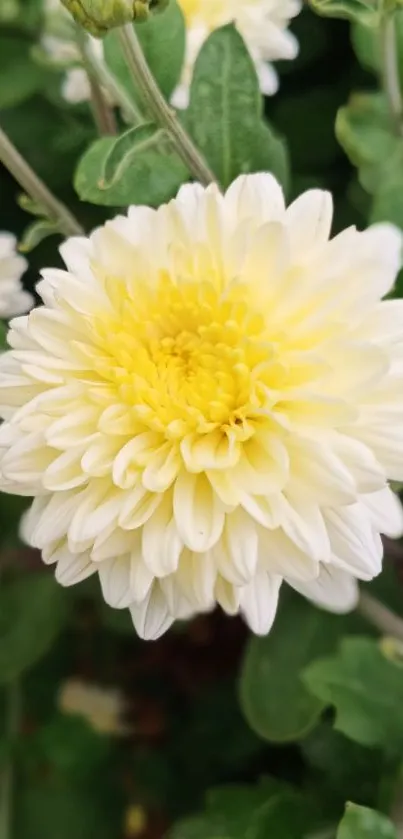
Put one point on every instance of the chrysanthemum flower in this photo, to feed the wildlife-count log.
(13, 299)
(262, 23)
(209, 402)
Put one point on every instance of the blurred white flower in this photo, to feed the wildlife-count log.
(59, 44)
(13, 299)
(101, 707)
(209, 402)
(262, 23)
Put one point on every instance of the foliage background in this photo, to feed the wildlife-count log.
(226, 737)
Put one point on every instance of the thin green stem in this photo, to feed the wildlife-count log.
(159, 109)
(380, 616)
(390, 70)
(36, 189)
(97, 69)
(12, 724)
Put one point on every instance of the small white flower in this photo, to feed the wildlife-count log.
(59, 44)
(210, 402)
(102, 708)
(13, 299)
(262, 23)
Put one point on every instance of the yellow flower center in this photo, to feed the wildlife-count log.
(211, 12)
(188, 358)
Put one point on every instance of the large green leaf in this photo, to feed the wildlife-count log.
(365, 684)
(274, 699)
(139, 167)
(162, 38)
(365, 11)
(33, 610)
(225, 111)
(362, 823)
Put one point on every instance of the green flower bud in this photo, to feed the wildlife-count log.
(98, 16)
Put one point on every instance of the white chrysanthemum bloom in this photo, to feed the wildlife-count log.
(262, 24)
(210, 401)
(13, 299)
(102, 708)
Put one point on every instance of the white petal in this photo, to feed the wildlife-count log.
(309, 221)
(334, 589)
(268, 78)
(356, 547)
(198, 512)
(255, 196)
(151, 618)
(195, 579)
(162, 544)
(72, 568)
(114, 575)
(259, 601)
(227, 595)
(303, 524)
(141, 579)
(162, 468)
(237, 551)
(386, 512)
(280, 555)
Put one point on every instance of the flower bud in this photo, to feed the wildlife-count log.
(98, 16)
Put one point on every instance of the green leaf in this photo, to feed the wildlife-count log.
(283, 817)
(225, 111)
(275, 701)
(52, 809)
(35, 233)
(72, 747)
(238, 811)
(367, 48)
(139, 167)
(338, 765)
(3, 335)
(362, 823)
(365, 11)
(162, 38)
(20, 77)
(33, 610)
(366, 688)
(364, 129)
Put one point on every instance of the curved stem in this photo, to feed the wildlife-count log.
(390, 70)
(159, 109)
(380, 616)
(96, 68)
(36, 189)
(13, 714)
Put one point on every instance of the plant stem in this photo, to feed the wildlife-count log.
(104, 117)
(36, 189)
(390, 70)
(380, 616)
(159, 109)
(13, 714)
(96, 68)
